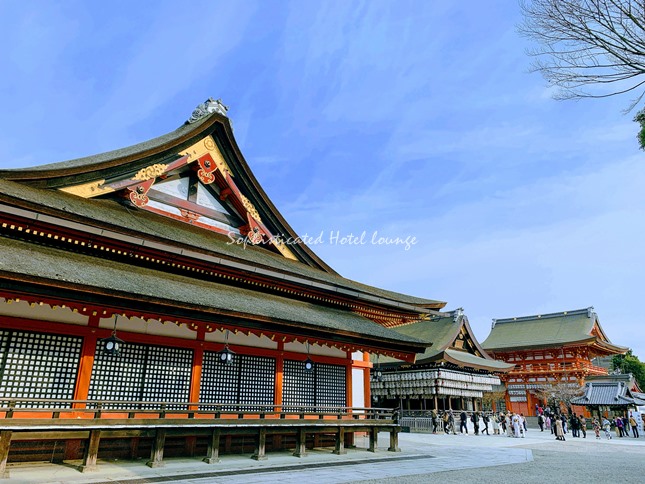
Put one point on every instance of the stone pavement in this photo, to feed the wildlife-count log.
(422, 454)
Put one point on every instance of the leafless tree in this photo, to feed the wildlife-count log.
(560, 393)
(588, 48)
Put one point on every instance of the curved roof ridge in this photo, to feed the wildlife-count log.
(576, 312)
(91, 162)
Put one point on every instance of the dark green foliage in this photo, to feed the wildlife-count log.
(629, 363)
(640, 118)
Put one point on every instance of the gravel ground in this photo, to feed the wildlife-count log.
(573, 462)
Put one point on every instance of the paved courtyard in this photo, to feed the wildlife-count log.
(424, 457)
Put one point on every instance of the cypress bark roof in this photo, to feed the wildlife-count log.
(447, 333)
(91, 277)
(580, 326)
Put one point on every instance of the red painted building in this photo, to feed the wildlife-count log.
(548, 349)
(173, 247)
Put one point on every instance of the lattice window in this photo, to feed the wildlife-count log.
(330, 385)
(298, 386)
(141, 373)
(250, 379)
(324, 386)
(39, 365)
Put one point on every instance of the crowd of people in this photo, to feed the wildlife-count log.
(514, 424)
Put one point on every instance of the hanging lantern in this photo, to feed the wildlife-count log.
(112, 345)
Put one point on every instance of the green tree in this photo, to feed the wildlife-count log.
(629, 363)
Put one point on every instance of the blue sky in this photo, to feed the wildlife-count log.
(409, 119)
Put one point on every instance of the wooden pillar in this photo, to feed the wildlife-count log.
(367, 391)
(212, 455)
(5, 443)
(373, 439)
(394, 441)
(82, 388)
(91, 452)
(279, 376)
(196, 374)
(301, 441)
(156, 454)
(339, 447)
(260, 445)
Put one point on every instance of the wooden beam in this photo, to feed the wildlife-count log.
(91, 452)
(156, 454)
(301, 441)
(212, 455)
(373, 439)
(5, 443)
(339, 447)
(260, 445)
(394, 441)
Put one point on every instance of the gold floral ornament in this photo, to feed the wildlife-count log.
(250, 208)
(149, 172)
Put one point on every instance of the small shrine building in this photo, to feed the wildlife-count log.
(548, 349)
(452, 374)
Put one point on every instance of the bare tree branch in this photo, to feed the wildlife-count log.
(587, 44)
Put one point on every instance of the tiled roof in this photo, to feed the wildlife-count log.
(605, 393)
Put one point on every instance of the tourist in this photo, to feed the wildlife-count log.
(537, 410)
(634, 425)
(541, 422)
(563, 418)
(583, 426)
(463, 424)
(509, 425)
(485, 419)
(474, 418)
(559, 429)
(502, 422)
(434, 422)
(620, 432)
(516, 426)
(522, 425)
(451, 422)
(575, 425)
(596, 427)
(625, 425)
(495, 420)
(606, 425)
(547, 422)
(446, 422)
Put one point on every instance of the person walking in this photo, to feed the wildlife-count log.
(463, 424)
(434, 421)
(634, 425)
(446, 423)
(495, 420)
(509, 425)
(606, 425)
(516, 426)
(474, 418)
(619, 427)
(559, 430)
(541, 422)
(583, 426)
(485, 420)
(574, 425)
(596, 427)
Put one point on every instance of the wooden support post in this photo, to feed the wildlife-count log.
(5, 443)
(91, 452)
(373, 439)
(156, 454)
(394, 441)
(260, 445)
(212, 455)
(301, 441)
(339, 448)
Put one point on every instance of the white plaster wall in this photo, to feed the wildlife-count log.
(22, 309)
(358, 389)
(315, 350)
(152, 326)
(241, 339)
